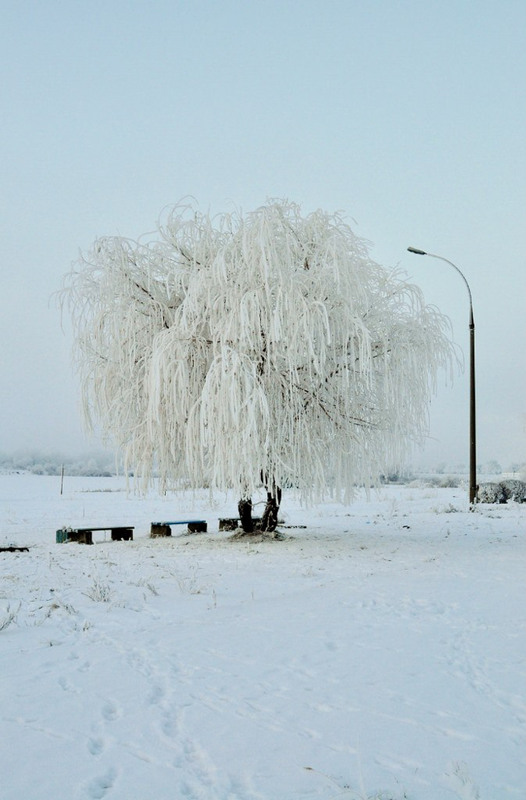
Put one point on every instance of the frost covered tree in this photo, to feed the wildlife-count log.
(265, 349)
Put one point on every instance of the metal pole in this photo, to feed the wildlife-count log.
(472, 413)
(472, 402)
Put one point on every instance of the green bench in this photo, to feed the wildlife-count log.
(164, 528)
(85, 535)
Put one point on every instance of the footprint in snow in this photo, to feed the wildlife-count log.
(98, 787)
(460, 781)
(66, 685)
(156, 695)
(138, 661)
(96, 746)
(110, 711)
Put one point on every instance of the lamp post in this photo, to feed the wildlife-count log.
(472, 406)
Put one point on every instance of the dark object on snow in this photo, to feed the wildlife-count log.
(233, 523)
(269, 518)
(163, 528)
(12, 549)
(85, 535)
(229, 523)
(244, 508)
(502, 492)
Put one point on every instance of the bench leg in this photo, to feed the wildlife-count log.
(229, 524)
(118, 534)
(197, 527)
(160, 530)
(81, 537)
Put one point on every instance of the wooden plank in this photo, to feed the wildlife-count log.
(164, 529)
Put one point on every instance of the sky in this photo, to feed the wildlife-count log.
(408, 117)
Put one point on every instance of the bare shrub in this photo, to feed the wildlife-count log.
(99, 592)
(8, 617)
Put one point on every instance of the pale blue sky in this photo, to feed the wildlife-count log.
(408, 116)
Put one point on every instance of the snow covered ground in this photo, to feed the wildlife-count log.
(379, 652)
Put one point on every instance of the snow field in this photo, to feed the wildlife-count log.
(377, 653)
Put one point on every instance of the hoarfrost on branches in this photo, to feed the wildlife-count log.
(262, 348)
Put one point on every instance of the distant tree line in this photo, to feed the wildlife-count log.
(104, 465)
(38, 463)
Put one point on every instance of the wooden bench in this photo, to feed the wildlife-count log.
(164, 528)
(232, 523)
(85, 535)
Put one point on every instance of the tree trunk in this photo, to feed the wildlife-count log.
(244, 508)
(269, 520)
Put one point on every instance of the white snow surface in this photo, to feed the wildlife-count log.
(379, 652)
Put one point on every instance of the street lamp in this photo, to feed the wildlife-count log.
(472, 408)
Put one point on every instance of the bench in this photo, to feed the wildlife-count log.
(85, 535)
(232, 523)
(164, 528)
